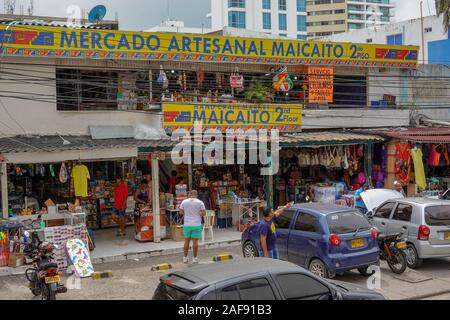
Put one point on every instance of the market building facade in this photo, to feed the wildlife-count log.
(109, 100)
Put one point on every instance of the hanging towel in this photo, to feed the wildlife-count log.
(419, 169)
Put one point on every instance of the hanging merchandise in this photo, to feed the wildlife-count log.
(63, 176)
(443, 155)
(52, 170)
(42, 170)
(282, 80)
(402, 162)
(419, 170)
(219, 80)
(361, 178)
(236, 81)
(80, 176)
(162, 79)
(344, 161)
(200, 78)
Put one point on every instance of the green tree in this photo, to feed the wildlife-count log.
(443, 8)
(257, 92)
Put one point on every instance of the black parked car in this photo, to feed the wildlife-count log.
(255, 279)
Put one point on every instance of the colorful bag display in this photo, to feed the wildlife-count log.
(402, 162)
(282, 80)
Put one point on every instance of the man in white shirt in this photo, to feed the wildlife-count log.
(192, 209)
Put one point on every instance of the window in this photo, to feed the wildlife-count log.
(347, 222)
(267, 21)
(236, 19)
(396, 39)
(283, 35)
(307, 222)
(266, 4)
(282, 21)
(282, 5)
(428, 30)
(284, 220)
(257, 289)
(301, 37)
(339, 11)
(446, 195)
(385, 210)
(437, 215)
(79, 90)
(403, 212)
(301, 23)
(369, 40)
(301, 5)
(236, 3)
(301, 287)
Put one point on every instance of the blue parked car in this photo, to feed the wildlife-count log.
(327, 239)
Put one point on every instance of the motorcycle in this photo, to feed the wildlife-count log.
(392, 250)
(44, 276)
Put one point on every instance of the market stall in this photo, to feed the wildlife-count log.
(323, 167)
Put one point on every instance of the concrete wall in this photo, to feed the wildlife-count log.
(410, 29)
(42, 118)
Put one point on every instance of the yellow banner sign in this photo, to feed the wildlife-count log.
(35, 41)
(232, 116)
(320, 84)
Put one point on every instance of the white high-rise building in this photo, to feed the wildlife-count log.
(278, 17)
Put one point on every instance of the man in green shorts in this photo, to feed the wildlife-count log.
(192, 209)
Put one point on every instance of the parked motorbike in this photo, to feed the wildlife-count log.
(392, 250)
(44, 276)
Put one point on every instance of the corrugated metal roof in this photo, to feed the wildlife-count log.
(417, 134)
(56, 143)
(323, 138)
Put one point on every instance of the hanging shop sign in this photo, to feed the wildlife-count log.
(38, 41)
(320, 84)
(232, 116)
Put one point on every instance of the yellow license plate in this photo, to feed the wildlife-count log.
(401, 245)
(52, 279)
(357, 243)
(447, 235)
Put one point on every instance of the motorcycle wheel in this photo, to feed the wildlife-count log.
(397, 262)
(35, 292)
(48, 293)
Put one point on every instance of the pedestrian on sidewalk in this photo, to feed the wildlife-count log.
(120, 204)
(399, 188)
(193, 210)
(267, 231)
(359, 202)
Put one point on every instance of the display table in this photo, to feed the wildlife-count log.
(174, 217)
(244, 209)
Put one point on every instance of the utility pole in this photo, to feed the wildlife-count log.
(422, 32)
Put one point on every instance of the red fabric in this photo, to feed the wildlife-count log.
(172, 183)
(120, 196)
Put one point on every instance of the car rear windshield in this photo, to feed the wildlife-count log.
(347, 222)
(166, 292)
(437, 215)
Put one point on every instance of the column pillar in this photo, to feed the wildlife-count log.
(155, 195)
(4, 188)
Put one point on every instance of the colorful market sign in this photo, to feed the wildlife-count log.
(232, 116)
(321, 86)
(36, 41)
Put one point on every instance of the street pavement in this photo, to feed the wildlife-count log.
(133, 279)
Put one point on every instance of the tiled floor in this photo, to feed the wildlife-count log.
(109, 245)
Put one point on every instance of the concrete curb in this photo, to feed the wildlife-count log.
(429, 295)
(6, 272)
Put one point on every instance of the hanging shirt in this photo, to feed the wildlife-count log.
(120, 196)
(80, 176)
(419, 169)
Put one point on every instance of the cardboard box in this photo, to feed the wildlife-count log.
(16, 260)
(177, 233)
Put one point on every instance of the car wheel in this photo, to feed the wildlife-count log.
(412, 257)
(249, 250)
(318, 268)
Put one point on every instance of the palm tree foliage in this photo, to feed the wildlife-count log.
(443, 8)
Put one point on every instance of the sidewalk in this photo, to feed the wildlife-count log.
(110, 248)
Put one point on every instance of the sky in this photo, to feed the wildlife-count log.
(144, 14)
